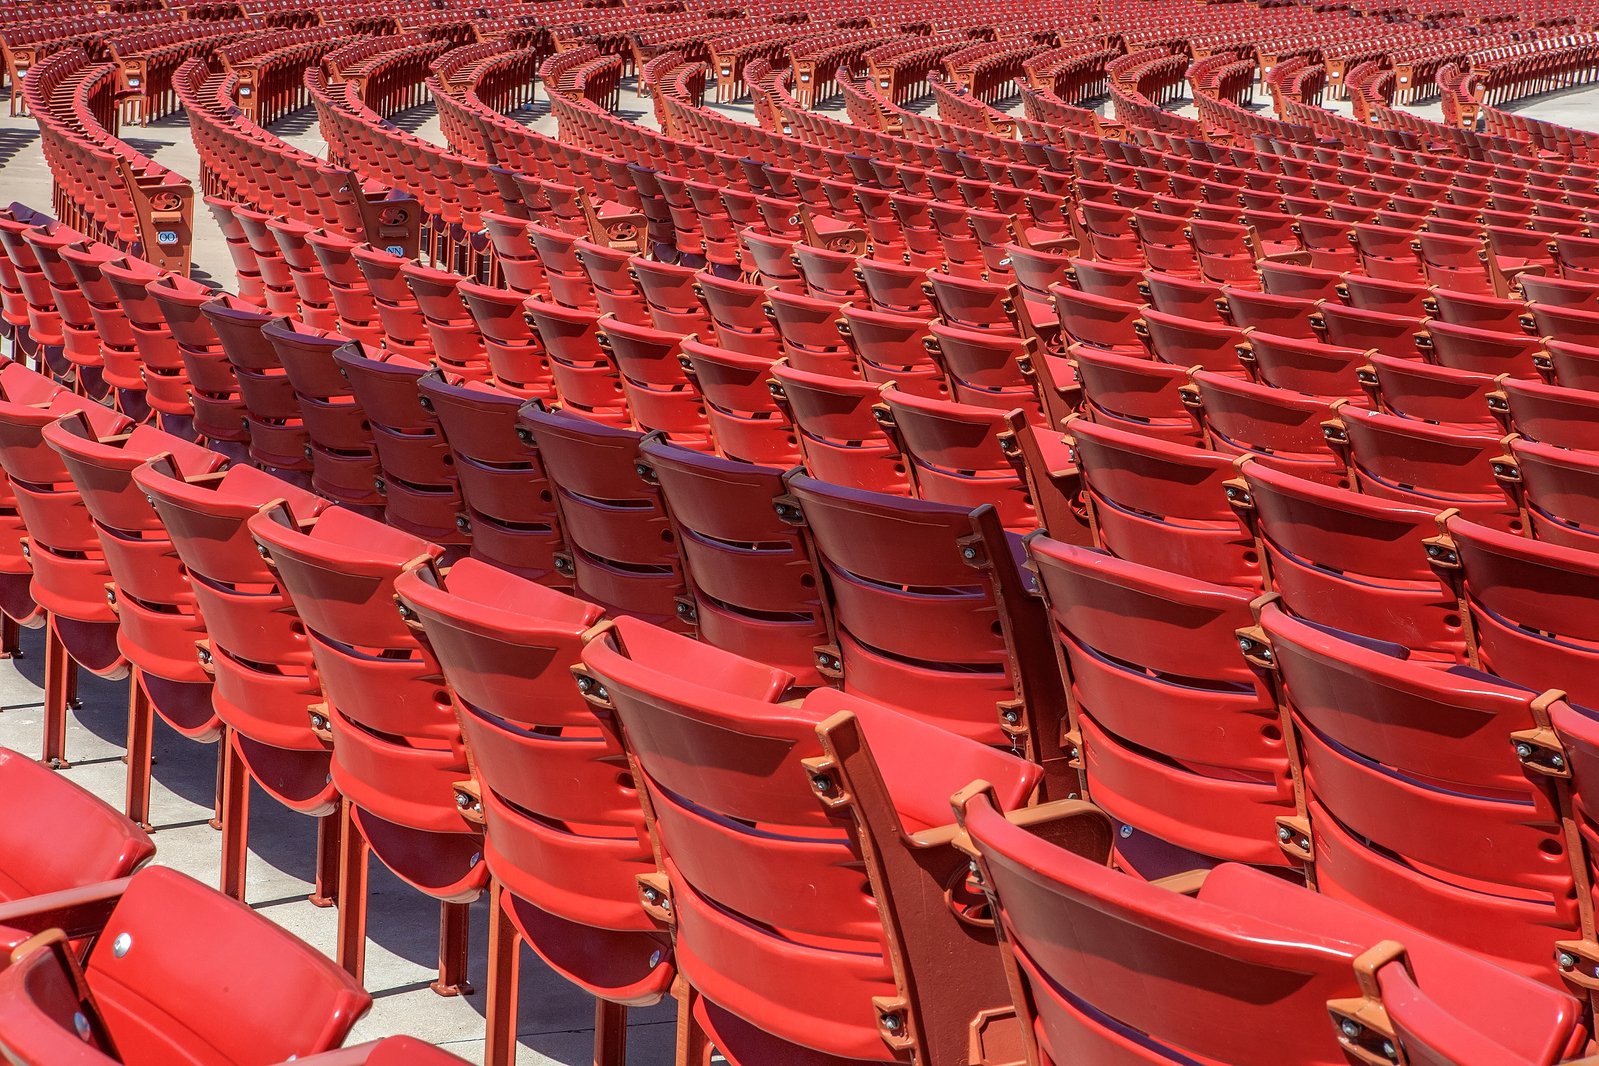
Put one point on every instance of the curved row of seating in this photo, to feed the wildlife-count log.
(696, 512)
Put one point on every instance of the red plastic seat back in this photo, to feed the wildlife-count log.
(564, 829)
(1154, 668)
(1163, 505)
(1531, 606)
(955, 457)
(1354, 562)
(621, 551)
(752, 588)
(910, 608)
(509, 507)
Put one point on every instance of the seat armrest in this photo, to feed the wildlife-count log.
(78, 912)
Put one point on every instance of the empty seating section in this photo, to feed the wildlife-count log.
(1127, 552)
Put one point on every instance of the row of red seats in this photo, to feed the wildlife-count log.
(308, 586)
(714, 1015)
(103, 185)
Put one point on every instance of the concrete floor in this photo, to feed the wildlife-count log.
(555, 1020)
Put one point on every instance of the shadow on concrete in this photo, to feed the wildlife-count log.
(14, 142)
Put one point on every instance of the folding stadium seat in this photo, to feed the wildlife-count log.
(1301, 282)
(1573, 366)
(1099, 322)
(615, 290)
(1392, 754)
(1577, 257)
(212, 391)
(891, 347)
(926, 597)
(1437, 394)
(1329, 245)
(669, 297)
(396, 743)
(1558, 291)
(311, 286)
(1138, 395)
(452, 336)
(829, 275)
(974, 304)
(808, 330)
(158, 622)
(564, 834)
(84, 366)
(1191, 298)
(1552, 489)
(1425, 466)
(17, 606)
(1479, 350)
(1354, 562)
(390, 1051)
(1153, 677)
(659, 394)
(418, 483)
(1185, 342)
(70, 839)
(340, 445)
(954, 455)
(353, 300)
(1283, 429)
(1281, 315)
(278, 293)
(245, 268)
(1226, 251)
(264, 684)
(585, 379)
(746, 425)
(1237, 965)
(1162, 504)
(44, 318)
(1109, 232)
(752, 588)
(620, 550)
(1499, 314)
(985, 367)
(737, 310)
(515, 254)
(1165, 242)
(840, 439)
(515, 356)
(1273, 227)
(1567, 325)
(14, 309)
(161, 983)
(69, 570)
(118, 345)
(895, 288)
(1310, 366)
(777, 977)
(1098, 278)
(1565, 418)
(773, 260)
(278, 438)
(508, 506)
(1352, 327)
(567, 282)
(399, 313)
(1387, 252)
(1461, 264)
